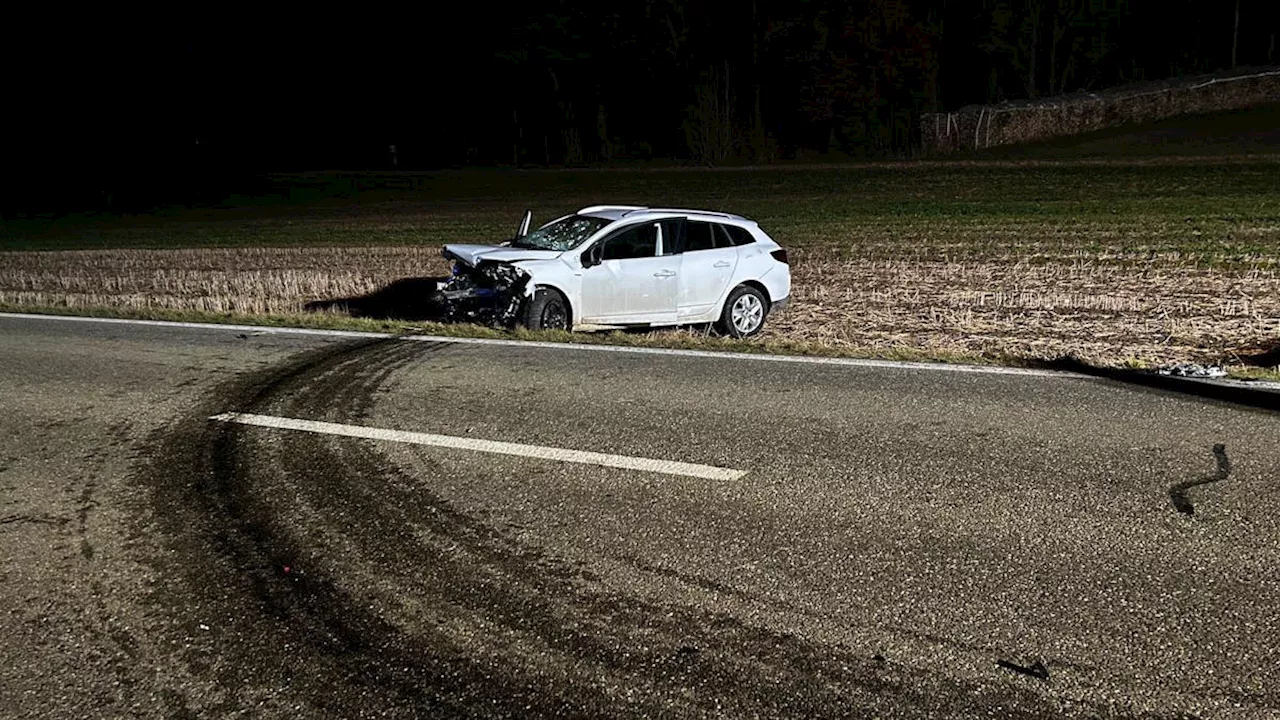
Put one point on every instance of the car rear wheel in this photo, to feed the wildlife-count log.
(548, 310)
(744, 312)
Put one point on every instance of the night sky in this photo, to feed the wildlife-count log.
(222, 94)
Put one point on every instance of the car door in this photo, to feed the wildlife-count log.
(633, 283)
(706, 267)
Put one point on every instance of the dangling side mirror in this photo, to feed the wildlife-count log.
(524, 224)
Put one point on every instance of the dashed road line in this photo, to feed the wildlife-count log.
(626, 462)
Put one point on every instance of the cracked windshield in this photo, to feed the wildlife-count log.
(563, 234)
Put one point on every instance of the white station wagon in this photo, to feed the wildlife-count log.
(621, 265)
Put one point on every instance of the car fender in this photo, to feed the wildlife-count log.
(777, 282)
(558, 276)
(754, 265)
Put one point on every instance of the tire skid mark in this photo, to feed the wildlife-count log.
(34, 519)
(210, 511)
(1178, 493)
(494, 574)
(548, 643)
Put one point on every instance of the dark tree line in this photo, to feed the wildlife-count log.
(764, 79)
(580, 81)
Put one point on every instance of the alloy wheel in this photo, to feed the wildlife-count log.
(747, 313)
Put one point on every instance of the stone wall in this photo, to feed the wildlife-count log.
(977, 127)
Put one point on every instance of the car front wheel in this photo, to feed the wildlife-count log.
(547, 310)
(744, 312)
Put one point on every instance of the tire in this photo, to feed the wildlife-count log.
(547, 310)
(744, 312)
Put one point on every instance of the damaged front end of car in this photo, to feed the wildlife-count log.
(490, 292)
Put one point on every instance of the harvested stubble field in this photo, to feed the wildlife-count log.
(1108, 262)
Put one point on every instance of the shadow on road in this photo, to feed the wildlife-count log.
(1236, 393)
(404, 299)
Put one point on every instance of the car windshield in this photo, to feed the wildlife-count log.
(563, 234)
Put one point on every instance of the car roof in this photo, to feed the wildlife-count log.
(637, 212)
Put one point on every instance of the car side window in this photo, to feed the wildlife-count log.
(699, 236)
(672, 236)
(738, 235)
(640, 241)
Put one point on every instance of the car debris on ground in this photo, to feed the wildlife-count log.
(1193, 370)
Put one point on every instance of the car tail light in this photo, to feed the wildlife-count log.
(780, 255)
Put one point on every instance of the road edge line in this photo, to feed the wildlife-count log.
(671, 352)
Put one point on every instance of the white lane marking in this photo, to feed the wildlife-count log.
(626, 462)
(201, 326)
(712, 354)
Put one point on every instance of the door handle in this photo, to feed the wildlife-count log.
(722, 264)
(665, 273)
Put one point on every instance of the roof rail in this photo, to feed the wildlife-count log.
(731, 216)
(603, 208)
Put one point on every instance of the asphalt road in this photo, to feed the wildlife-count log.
(903, 543)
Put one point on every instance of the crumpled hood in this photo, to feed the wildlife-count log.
(472, 254)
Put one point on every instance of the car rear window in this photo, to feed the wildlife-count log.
(739, 235)
(702, 235)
